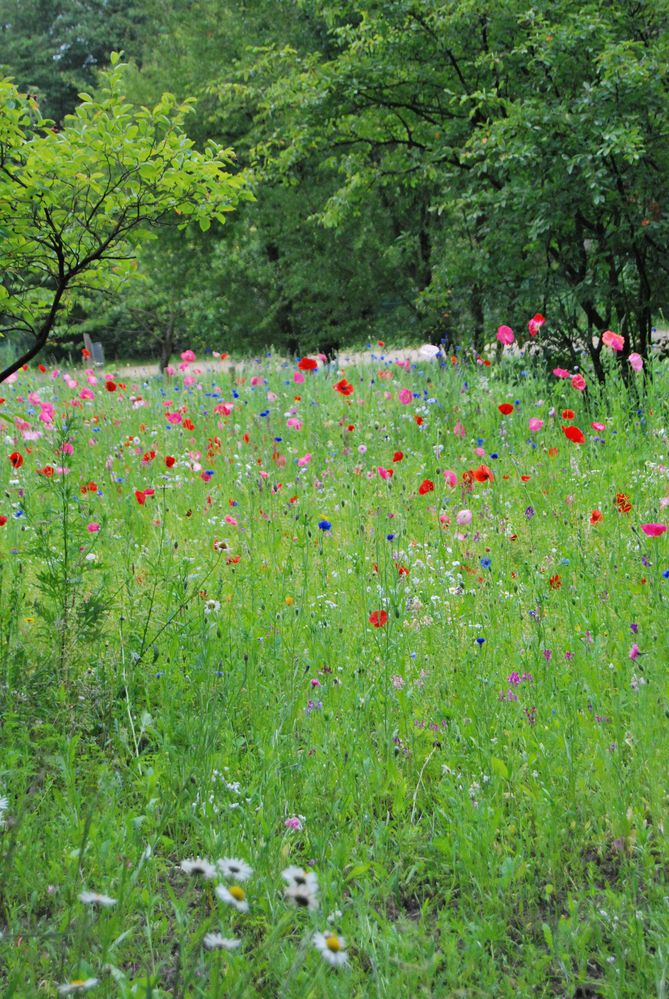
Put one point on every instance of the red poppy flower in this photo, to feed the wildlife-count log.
(398, 456)
(574, 435)
(169, 460)
(351, 427)
(555, 582)
(525, 478)
(141, 494)
(552, 452)
(85, 353)
(622, 503)
(343, 387)
(110, 386)
(505, 408)
(568, 414)
(596, 516)
(419, 420)
(233, 560)
(48, 471)
(189, 425)
(307, 364)
(483, 474)
(16, 459)
(426, 486)
(3, 520)
(378, 618)
(41, 368)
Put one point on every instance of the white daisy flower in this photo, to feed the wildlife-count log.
(332, 948)
(214, 941)
(303, 896)
(236, 870)
(234, 895)
(298, 876)
(94, 898)
(199, 867)
(212, 607)
(78, 985)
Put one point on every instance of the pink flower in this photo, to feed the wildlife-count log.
(298, 377)
(385, 473)
(257, 380)
(598, 426)
(653, 530)
(664, 502)
(92, 528)
(170, 371)
(535, 324)
(67, 448)
(636, 362)
(189, 380)
(479, 451)
(405, 396)
(578, 382)
(173, 418)
(634, 651)
(613, 340)
(459, 429)
(224, 408)
(505, 335)
(272, 397)
(535, 424)
(464, 518)
(304, 460)
(87, 393)
(230, 520)
(293, 423)
(561, 373)
(451, 478)
(187, 355)
(294, 823)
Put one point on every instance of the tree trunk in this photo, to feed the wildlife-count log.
(166, 345)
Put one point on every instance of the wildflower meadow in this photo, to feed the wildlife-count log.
(330, 679)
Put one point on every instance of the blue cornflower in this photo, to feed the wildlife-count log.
(389, 537)
(665, 574)
(485, 562)
(324, 525)
(480, 641)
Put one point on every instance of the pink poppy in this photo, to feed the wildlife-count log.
(535, 424)
(578, 382)
(636, 362)
(385, 473)
(187, 355)
(173, 418)
(230, 520)
(405, 396)
(653, 530)
(613, 340)
(598, 426)
(561, 373)
(459, 429)
(304, 460)
(293, 423)
(463, 518)
(535, 324)
(451, 478)
(92, 528)
(505, 335)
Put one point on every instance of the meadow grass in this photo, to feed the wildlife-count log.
(206, 670)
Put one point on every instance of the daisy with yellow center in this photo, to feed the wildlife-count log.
(78, 985)
(332, 948)
(234, 896)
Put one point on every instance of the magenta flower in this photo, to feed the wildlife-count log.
(634, 652)
(505, 335)
(636, 362)
(405, 396)
(534, 423)
(561, 373)
(653, 530)
(578, 382)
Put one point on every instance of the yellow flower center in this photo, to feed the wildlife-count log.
(332, 943)
(237, 893)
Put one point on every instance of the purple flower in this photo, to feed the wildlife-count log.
(548, 655)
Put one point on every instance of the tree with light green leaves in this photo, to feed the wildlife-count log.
(76, 202)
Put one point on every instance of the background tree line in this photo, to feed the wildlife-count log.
(421, 169)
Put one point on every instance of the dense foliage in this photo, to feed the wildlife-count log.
(421, 169)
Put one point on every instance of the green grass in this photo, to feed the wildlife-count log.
(473, 835)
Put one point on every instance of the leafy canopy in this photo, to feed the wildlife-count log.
(75, 203)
